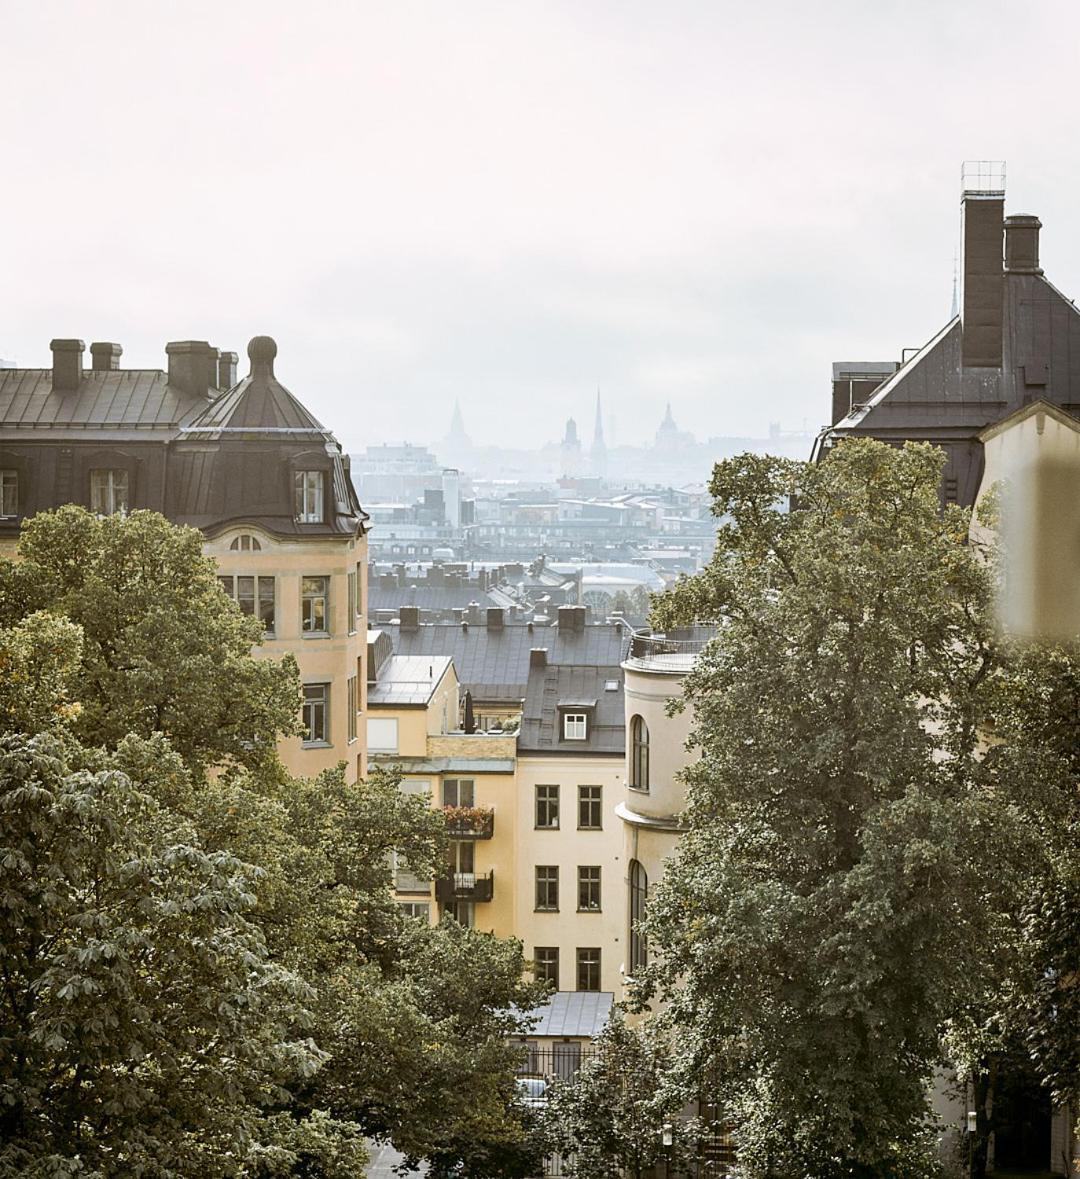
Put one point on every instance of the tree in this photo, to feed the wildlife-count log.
(163, 648)
(851, 866)
(144, 1026)
(609, 1120)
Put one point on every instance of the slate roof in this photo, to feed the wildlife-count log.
(554, 689)
(573, 1013)
(494, 663)
(259, 404)
(435, 598)
(127, 399)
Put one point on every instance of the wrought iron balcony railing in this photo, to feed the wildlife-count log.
(465, 886)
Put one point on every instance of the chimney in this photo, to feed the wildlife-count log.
(495, 618)
(67, 364)
(571, 618)
(984, 287)
(538, 657)
(105, 358)
(473, 614)
(1022, 244)
(227, 363)
(192, 366)
(410, 619)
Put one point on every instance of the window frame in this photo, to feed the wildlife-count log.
(457, 783)
(230, 584)
(548, 804)
(9, 478)
(351, 709)
(590, 803)
(589, 895)
(550, 884)
(110, 490)
(309, 496)
(351, 595)
(387, 721)
(590, 963)
(639, 754)
(546, 968)
(323, 740)
(638, 888)
(312, 596)
(580, 720)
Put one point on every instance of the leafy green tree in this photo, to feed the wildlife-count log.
(609, 1120)
(851, 866)
(144, 1027)
(163, 650)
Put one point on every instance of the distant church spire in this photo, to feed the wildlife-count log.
(457, 422)
(598, 453)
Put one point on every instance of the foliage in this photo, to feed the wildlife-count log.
(164, 649)
(852, 866)
(144, 1026)
(608, 1121)
(39, 657)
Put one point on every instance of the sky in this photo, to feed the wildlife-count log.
(514, 204)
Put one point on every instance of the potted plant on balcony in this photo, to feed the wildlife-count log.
(471, 819)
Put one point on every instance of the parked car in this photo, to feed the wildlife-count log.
(532, 1091)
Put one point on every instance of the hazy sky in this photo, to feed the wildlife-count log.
(512, 203)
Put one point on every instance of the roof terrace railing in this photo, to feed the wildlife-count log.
(660, 653)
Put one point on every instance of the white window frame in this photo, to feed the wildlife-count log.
(575, 726)
(308, 496)
(311, 740)
(110, 490)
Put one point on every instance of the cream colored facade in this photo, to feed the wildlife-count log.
(570, 847)
(330, 657)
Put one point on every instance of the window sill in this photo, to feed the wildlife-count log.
(545, 910)
(316, 745)
(546, 827)
(590, 910)
(590, 828)
(638, 789)
(315, 634)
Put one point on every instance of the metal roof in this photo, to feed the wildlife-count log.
(555, 689)
(406, 680)
(572, 1013)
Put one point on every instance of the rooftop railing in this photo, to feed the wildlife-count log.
(660, 653)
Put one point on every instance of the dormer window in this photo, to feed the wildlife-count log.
(245, 543)
(108, 491)
(308, 497)
(575, 726)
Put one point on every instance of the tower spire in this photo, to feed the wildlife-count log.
(598, 452)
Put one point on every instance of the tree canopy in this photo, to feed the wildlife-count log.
(848, 886)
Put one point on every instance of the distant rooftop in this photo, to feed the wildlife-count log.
(406, 680)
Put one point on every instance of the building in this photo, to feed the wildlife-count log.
(243, 461)
(1015, 340)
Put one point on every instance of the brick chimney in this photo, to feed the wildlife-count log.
(227, 363)
(192, 366)
(495, 618)
(410, 619)
(538, 657)
(982, 310)
(1022, 244)
(105, 358)
(67, 364)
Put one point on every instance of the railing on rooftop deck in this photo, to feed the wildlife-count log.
(660, 653)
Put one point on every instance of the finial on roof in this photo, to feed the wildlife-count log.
(261, 352)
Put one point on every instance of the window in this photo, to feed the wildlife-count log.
(546, 965)
(245, 543)
(253, 594)
(417, 910)
(314, 605)
(547, 806)
(317, 714)
(351, 606)
(382, 734)
(639, 754)
(589, 815)
(588, 890)
(405, 880)
(575, 725)
(547, 888)
(350, 704)
(639, 891)
(108, 491)
(358, 601)
(588, 968)
(463, 912)
(459, 792)
(308, 496)
(9, 493)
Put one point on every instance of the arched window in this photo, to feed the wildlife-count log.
(639, 892)
(246, 543)
(639, 754)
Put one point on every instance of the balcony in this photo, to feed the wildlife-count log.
(465, 886)
(469, 822)
(674, 654)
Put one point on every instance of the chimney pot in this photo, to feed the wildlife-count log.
(1022, 244)
(538, 657)
(67, 366)
(227, 363)
(105, 357)
(495, 618)
(192, 366)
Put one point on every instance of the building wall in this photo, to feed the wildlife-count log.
(568, 848)
(330, 658)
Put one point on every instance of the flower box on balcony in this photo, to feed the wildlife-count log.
(469, 822)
